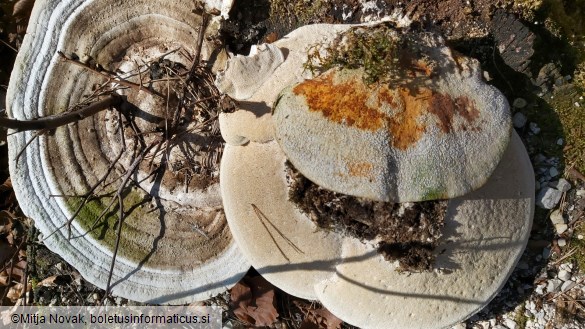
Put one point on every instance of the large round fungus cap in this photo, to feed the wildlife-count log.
(427, 127)
(351, 126)
(175, 245)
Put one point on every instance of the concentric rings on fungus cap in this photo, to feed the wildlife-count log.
(175, 244)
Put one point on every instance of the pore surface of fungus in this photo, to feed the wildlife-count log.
(174, 245)
(430, 128)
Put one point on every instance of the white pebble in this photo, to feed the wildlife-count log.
(552, 286)
(568, 285)
(562, 242)
(564, 275)
(510, 323)
(560, 141)
(561, 228)
(556, 217)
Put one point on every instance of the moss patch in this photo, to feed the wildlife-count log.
(572, 118)
(106, 229)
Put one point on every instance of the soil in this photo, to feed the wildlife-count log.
(404, 232)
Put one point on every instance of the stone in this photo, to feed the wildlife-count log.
(568, 285)
(510, 324)
(580, 192)
(519, 120)
(566, 267)
(553, 285)
(519, 103)
(560, 141)
(548, 197)
(534, 128)
(564, 275)
(561, 242)
(540, 289)
(561, 228)
(556, 217)
(562, 185)
(553, 172)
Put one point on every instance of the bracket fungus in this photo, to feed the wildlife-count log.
(424, 145)
(139, 181)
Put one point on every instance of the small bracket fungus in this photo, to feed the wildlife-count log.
(444, 135)
(434, 131)
(139, 182)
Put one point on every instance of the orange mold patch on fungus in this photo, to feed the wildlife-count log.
(347, 103)
(360, 169)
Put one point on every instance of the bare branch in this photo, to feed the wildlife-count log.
(118, 80)
(58, 120)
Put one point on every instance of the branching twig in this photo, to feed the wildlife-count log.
(127, 177)
(118, 80)
(58, 120)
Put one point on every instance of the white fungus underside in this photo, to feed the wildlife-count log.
(34, 179)
(484, 236)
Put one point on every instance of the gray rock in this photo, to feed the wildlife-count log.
(553, 172)
(564, 275)
(548, 197)
(540, 289)
(562, 185)
(511, 324)
(566, 267)
(556, 217)
(580, 192)
(553, 285)
(534, 128)
(519, 103)
(560, 141)
(519, 120)
(568, 285)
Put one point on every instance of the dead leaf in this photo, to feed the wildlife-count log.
(22, 9)
(317, 317)
(4, 279)
(6, 186)
(575, 174)
(6, 221)
(15, 292)
(7, 251)
(253, 301)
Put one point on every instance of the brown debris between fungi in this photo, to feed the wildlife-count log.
(407, 233)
